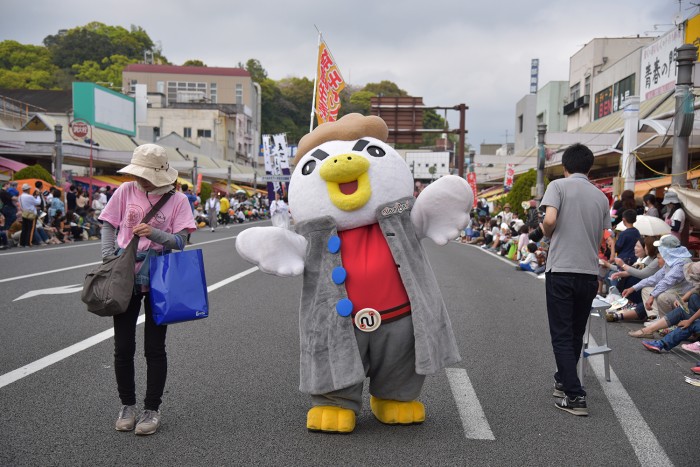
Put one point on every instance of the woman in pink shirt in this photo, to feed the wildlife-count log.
(166, 230)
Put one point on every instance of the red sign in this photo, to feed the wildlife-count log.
(329, 83)
(79, 129)
(471, 179)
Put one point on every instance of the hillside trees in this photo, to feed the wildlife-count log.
(26, 67)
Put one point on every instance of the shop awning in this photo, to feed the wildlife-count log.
(95, 182)
(642, 187)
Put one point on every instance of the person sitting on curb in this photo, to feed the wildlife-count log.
(686, 325)
(646, 266)
(660, 290)
(530, 263)
(685, 306)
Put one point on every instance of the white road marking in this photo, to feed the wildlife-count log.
(473, 418)
(40, 250)
(16, 278)
(64, 289)
(43, 273)
(641, 437)
(12, 376)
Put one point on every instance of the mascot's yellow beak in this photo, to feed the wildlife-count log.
(347, 180)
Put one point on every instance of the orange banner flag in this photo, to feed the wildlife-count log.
(329, 83)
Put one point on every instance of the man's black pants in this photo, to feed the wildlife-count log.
(569, 299)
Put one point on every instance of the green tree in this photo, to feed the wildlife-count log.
(431, 119)
(26, 67)
(359, 102)
(109, 70)
(521, 190)
(34, 171)
(194, 62)
(205, 191)
(256, 70)
(385, 89)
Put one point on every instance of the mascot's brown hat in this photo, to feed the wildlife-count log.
(348, 128)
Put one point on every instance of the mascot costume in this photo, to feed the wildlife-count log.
(370, 303)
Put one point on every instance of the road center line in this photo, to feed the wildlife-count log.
(12, 376)
(473, 418)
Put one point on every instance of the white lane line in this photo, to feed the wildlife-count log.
(12, 376)
(473, 418)
(40, 250)
(647, 448)
(16, 278)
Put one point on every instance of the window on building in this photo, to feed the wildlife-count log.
(203, 133)
(187, 132)
(231, 140)
(132, 85)
(622, 90)
(239, 94)
(213, 93)
(187, 91)
(540, 118)
(520, 123)
(575, 91)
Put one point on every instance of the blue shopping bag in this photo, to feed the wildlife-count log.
(178, 287)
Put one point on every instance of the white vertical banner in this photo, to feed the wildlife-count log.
(658, 65)
(508, 177)
(266, 153)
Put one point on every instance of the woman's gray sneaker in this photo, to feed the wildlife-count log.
(148, 423)
(126, 419)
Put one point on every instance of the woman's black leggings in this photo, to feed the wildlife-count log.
(125, 349)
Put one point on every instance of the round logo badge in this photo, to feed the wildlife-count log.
(368, 319)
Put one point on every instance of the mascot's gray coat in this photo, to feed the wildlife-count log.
(330, 359)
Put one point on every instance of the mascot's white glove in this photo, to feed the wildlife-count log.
(442, 209)
(274, 250)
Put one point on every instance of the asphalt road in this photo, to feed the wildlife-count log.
(232, 395)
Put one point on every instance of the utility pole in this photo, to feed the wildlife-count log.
(58, 175)
(194, 176)
(683, 122)
(630, 115)
(460, 149)
(541, 156)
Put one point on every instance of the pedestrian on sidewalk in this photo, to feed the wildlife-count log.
(212, 207)
(576, 215)
(167, 230)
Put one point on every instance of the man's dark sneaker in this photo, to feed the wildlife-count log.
(558, 390)
(576, 406)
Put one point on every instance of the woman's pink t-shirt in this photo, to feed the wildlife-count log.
(128, 206)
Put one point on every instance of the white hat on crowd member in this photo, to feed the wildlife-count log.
(671, 197)
(150, 161)
(668, 241)
(26, 187)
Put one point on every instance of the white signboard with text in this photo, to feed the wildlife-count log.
(658, 68)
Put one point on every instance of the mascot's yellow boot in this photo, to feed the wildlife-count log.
(330, 419)
(393, 412)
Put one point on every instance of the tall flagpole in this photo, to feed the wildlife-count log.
(313, 98)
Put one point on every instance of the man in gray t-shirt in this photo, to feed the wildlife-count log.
(576, 215)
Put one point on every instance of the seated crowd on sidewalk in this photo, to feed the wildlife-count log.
(31, 216)
(655, 274)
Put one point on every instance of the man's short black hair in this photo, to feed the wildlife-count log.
(577, 159)
(185, 187)
(630, 215)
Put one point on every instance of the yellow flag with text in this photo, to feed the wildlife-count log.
(329, 83)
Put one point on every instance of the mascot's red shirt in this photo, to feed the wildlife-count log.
(373, 279)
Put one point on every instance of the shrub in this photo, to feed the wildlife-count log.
(34, 171)
(521, 191)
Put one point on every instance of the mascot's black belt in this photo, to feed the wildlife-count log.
(369, 319)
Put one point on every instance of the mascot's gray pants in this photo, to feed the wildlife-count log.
(388, 355)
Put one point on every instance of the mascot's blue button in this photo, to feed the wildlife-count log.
(334, 244)
(344, 307)
(339, 274)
